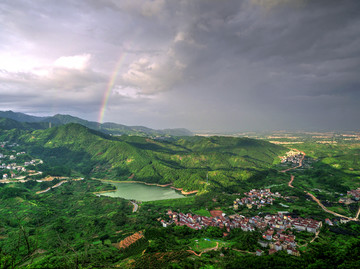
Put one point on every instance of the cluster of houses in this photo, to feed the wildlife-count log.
(13, 167)
(278, 240)
(256, 198)
(292, 157)
(33, 162)
(354, 194)
(198, 222)
(11, 157)
(279, 237)
(6, 143)
(277, 229)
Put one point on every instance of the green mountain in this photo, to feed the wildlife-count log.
(21, 117)
(186, 162)
(108, 127)
(8, 124)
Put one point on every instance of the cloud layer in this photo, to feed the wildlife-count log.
(205, 65)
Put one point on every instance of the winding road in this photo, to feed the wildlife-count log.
(292, 177)
(329, 211)
(55, 186)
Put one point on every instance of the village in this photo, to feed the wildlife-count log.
(292, 156)
(277, 230)
(10, 167)
(256, 198)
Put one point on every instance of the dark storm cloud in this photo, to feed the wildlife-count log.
(220, 65)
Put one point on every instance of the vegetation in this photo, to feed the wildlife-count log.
(192, 163)
(71, 227)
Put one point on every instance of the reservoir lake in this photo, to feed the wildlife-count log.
(142, 192)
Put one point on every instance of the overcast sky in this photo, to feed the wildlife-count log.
(214, 65)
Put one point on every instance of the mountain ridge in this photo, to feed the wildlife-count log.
(107, 127)
(230, 163)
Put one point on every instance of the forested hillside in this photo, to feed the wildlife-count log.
(187, 162)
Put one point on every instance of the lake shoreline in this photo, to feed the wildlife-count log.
(153, 184)
(100, 192)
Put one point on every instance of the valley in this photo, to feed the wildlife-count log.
(82, 192)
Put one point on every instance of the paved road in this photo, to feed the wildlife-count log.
(55, 186)
(135, 206)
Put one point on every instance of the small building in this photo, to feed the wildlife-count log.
(329, 222)
(299, 227)
(263, 243)
(259, 252)
(272, 251)
(278, 246)
(311, 229)
(268, 236)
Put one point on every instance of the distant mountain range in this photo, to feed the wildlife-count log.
(34, 122)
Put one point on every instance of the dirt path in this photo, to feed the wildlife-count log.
(300, 165)
(316, 236)
(327, 210)
(312, 240)
(291, 181)
(205, 250)
(358, 213)
(292, 177)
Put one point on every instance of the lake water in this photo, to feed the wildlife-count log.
(142, 192)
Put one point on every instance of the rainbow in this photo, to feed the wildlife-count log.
(110, 87)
